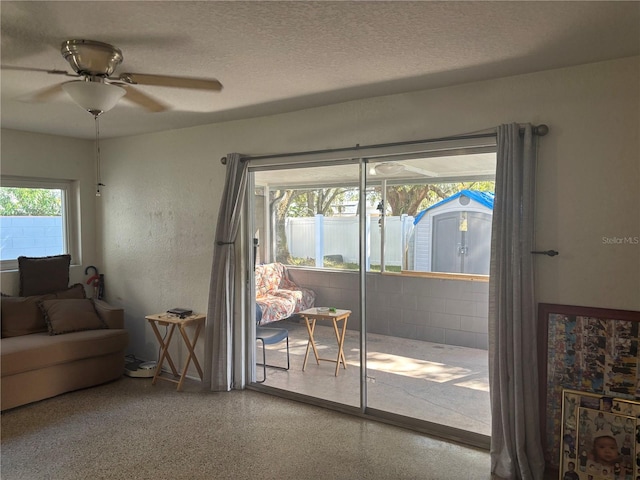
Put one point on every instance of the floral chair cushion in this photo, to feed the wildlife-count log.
(277, 296)
(268, 278)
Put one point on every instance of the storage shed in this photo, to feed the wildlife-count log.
(454, 235)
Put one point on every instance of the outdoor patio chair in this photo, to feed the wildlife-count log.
(271, 336)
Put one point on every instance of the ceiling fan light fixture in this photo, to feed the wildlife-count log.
(95, 97)
(389, 168)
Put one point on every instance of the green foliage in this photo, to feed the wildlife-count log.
(325, 201)
(411, 199)
(401, 199)
(16, 202)
(445, 190)
(303, 203)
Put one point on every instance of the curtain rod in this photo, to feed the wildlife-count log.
(540, 130)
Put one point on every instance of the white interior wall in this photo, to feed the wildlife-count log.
(47, 156)
(156, 219)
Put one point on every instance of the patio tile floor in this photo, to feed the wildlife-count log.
(438, 383)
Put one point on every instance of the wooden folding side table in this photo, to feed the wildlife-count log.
(312, 315)
(166, 319)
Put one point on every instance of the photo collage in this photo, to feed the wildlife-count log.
(590, 355)
(600, 437)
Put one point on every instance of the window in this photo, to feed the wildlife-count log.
(426, 213)
(36, 219)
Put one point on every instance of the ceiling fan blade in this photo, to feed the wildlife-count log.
(169, 81)
(44, 70)
(46, 93)
(149, 103)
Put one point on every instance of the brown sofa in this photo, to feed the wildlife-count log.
(39, 365)
(59, 342)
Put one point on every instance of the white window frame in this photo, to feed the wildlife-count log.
(70, 199)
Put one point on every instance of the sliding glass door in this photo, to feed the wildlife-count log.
(306, 231)
(427, 291)
(398, 244)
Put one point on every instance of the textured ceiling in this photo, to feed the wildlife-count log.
(275, 57)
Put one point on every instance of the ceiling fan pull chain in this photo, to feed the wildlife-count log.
(98, 179)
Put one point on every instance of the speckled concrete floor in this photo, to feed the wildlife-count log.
(438, 383)
(129, 429)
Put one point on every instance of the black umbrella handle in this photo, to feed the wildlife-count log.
(91, 267)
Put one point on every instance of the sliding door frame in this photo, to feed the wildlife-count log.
(397, 152)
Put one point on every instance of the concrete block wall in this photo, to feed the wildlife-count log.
(30, 236)
(451, 312)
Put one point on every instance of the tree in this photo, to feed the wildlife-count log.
(405, 199)
(300, 203)
(319, 201)
(411, 199)
(278, 206)
(15, 201)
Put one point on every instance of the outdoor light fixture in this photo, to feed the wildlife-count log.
(95, 97)
(388, 168)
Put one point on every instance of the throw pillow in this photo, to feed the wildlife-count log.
(21, 315)
(70, 315)
(40, 275)
(75, 291)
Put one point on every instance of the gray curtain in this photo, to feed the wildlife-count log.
(516, 451)
(219, 326)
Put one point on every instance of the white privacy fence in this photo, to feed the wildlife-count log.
(319, 237)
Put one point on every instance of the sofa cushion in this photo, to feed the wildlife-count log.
(112, 316)
(40, 350)
(40, 275)
(274, 308)
(22, 316)
(75, 291)
(70, 315)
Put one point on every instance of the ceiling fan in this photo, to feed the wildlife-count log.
(98, 91)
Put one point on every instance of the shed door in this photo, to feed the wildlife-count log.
(446, 243)
(478, 243)
(461, 243)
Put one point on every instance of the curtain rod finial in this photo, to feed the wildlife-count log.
(223, 160)
(542, 130)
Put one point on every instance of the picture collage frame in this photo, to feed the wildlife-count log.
(600, 437)
(591, 350)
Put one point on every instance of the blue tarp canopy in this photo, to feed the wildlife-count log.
(483, 198)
